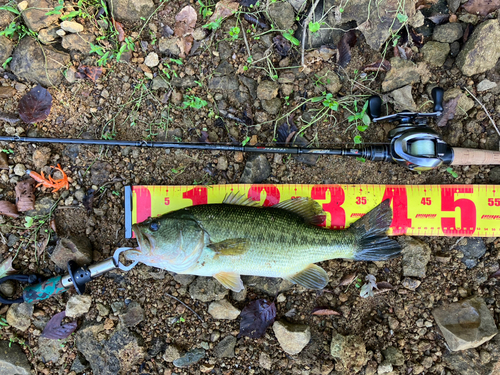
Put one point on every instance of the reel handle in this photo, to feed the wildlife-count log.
(437, 94)
(470, 156)
(374, 106)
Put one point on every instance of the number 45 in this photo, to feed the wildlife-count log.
(426, 201)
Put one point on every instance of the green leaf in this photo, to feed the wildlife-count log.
(29, 222)
(363, 160)
(314, 27)
(291, 38)
(72, 14)
(402, 17)
(245, 141)
(177, 61)
(351, 118)
(10, 9)
(317, 99)
(366, 119)
(362, 128)
(358, 139)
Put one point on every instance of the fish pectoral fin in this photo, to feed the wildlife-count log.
(312, 277)
(232, 246)
(307, 208)
(230, 280)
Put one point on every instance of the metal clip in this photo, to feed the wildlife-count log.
(116, 258)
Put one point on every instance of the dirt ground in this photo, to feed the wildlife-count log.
(122, 105)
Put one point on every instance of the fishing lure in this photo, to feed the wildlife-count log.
(49, 182)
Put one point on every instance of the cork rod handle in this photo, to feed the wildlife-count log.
(470, 156)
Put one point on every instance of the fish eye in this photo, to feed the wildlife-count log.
(154, 226)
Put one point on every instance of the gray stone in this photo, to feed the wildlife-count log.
(13, 361)
(225, 348)
(48, 35)
(265, 361)
(448, 33)
(8, 288)
(151, 60)
(42, 207)
(465, 103)
(78, 42)
(159, 83)
(116, 354)
(250, 84)
(435, 53)
(33, 64)
(35, 16)
(223, 310)
(479, 55)
(169, 46)
(99, 173)
(267, 90)
(270, 285)
(19, 315)
(453, 5)
(403, 99)
(6, 47)
(12, 240)
(349, 350)
(78, 305)
(402, 73)
(473, 248)
(394, 356)
(184, 279)
(272, 106)
(410, 284)
(416, 255)
(78, 249)
(80, 364)
(292, 337)
(282, 15)
(207, 289)
(495, 175)
(19, 170)
(224, 69)
(224, 83)
(257, 169)
(131, 11)
(485, 85)
(384, 368)
(298, 5)
(190, 358)
(133, 315)
(49, 350)
(71, 27)
(6, 18)
(466, 324)
(172, 353)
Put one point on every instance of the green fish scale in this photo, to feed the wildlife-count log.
(281, 243)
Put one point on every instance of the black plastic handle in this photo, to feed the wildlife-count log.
(374, 106)
(437, 94)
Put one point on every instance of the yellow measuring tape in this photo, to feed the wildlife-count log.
(418, 210)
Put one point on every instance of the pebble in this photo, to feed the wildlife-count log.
(349, 350)
(225, 348)
(61, 32)
(71, 27)
(20, 170)
(22, 5)
(384, 368)
(411, 284)
(223, 310)
(171, 353)
(416, 255)
(206, 289)
(190, 358)
(78, 305)
(265, 361)
(133, 315)
(19, 315)
(152, 60)
(292, 337)
(222, 163)
(485, 85)
(103, 310)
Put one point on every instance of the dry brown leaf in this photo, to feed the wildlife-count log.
(449, 109)
(495, 275)
(481, 7)
(119, 27)
(381, 65)
(347, 41)
(383, 286)
(224, 9)
(185, 21)
(4, 161)
(347, 279)
(42, 245)
(8, 209)
(325, 312)
(25, 195)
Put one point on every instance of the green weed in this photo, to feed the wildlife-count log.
(194, 102)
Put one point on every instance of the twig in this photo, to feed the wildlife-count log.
(456, 243)
(244, 32)
(304, 31)
(485, 110)
(186, 306)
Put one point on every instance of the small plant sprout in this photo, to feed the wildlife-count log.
(452, 172)
(192, 101)
(234, 32)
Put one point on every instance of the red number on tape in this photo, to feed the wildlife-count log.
(361, 200)
(333, 207)
(493, 202)
(426, 201)
(467, 211)
(198, 195)
(400, 220)
(272, 194)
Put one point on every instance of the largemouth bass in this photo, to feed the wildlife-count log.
(238, 237)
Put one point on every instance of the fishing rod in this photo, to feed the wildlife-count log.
(412, 143)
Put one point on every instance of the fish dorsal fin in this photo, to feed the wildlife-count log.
(230, 280)
(239, 200)
(232, 246)
(312, 277)
(305, 207)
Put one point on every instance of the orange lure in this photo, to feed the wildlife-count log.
(50, 182)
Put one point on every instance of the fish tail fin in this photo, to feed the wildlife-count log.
(371, 233)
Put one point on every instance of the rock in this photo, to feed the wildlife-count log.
(272, 106)
(19, 315)
(223, 310)
(42, 207)
(222, 163)
(103, 310)
(411, 284)
(384, 368)
(48, 35)
(151, 60)
(49, 350)
(495, 175)
(30, 63)
(172, 353)
(35, 15)
(190, 358)
(402, 73)
(78, 42)
(466, 324)
(435, 53)
(80, 364)
(8, 288)
(331, 80)
(479, 55)
(78, 305)
(292, 337)
(349, 350)
(257, 169)
(465, 103)
(7, 92)
(13, 360)
(6, 47)
(448, 33)
(199, 33)
(131, 11)
(473, 249)
(224, 83)
(485, 85)
(265, 361)
(133, 315)
(453, 5)
(250, 84)
(282, 14)
(6, 18)
(71, 27)
(20, 170)
(78, 249)
(41, 157)
(207, 289)
(394, 356)
(169, 46)
(416, 255)
(418, 19)
(113, 355)
(99, 173)
(403, 99)
(159, 83)
(184, 279)
(298, 5)
(225, 348)
(270, 285)
(61, 32)
(267, 90)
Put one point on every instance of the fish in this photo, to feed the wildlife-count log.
(239, 237)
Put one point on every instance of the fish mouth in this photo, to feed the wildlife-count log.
(145, 242)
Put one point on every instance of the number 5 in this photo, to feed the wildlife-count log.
(467, 211)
